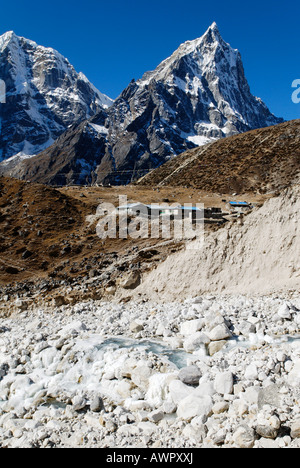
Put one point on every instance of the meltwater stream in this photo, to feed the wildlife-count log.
(179, 357)
(53, 378)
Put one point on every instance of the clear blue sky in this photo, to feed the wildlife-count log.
(112, 42)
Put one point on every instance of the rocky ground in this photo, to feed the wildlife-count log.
(143, 343)
(212, 371)
(50, 251)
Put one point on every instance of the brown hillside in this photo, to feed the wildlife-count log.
(262, 160)
(47, 241)
(35, 224)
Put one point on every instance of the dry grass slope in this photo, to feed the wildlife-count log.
(263, 160)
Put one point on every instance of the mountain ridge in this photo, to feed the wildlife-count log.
(197, 95)
(44, 96)
(263, 160)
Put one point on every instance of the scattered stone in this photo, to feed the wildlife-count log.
(268, 424)
(131, 281)
(251, 372)
(195, 342)
(216, 346)
(193, 406)
(156, 416)
(269, 395)
(224, 383)
(220, 407)
(191, 327)
(190, 375)
(140, 375)
(295, 429)
(245, 328)
(97, 404)
(178, 391)
(284, 312)
(169, 407)
(79, 403)
(56, 361)
(244, 437)
(136, 327)
(220, 332)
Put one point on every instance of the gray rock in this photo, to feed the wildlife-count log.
(266, 431)
(246, 328)
(244, 437)
(284, 312)
(156, 416)
(196, 341)
(224, 383)
(190, 375)
(269, 395)
(97, 404)
(190, 327)
(220, 332)
(205, 388)
(268, 424)
(193, 406)
(131, 281)
(141, 374)
(3, 370)
(79, 403)
(295, 429)
(215, 346)
(169, 407)
(136, 327)
(220, 407)
(179, 391)
(250, 395)
(251, 372)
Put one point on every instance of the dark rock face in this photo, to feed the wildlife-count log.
(196, 96)
(44, 96)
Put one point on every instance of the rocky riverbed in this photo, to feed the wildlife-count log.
(212, 371)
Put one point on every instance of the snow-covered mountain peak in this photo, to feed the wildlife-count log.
(214, 27)
(213, 32)
(197, 95)
(103, 100)
(6, 38)
(49, 57)
(11, 40)
(197, 55)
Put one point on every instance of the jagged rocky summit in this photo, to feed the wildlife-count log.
(44, 96)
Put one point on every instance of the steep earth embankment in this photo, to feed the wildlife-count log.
(257, 255)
